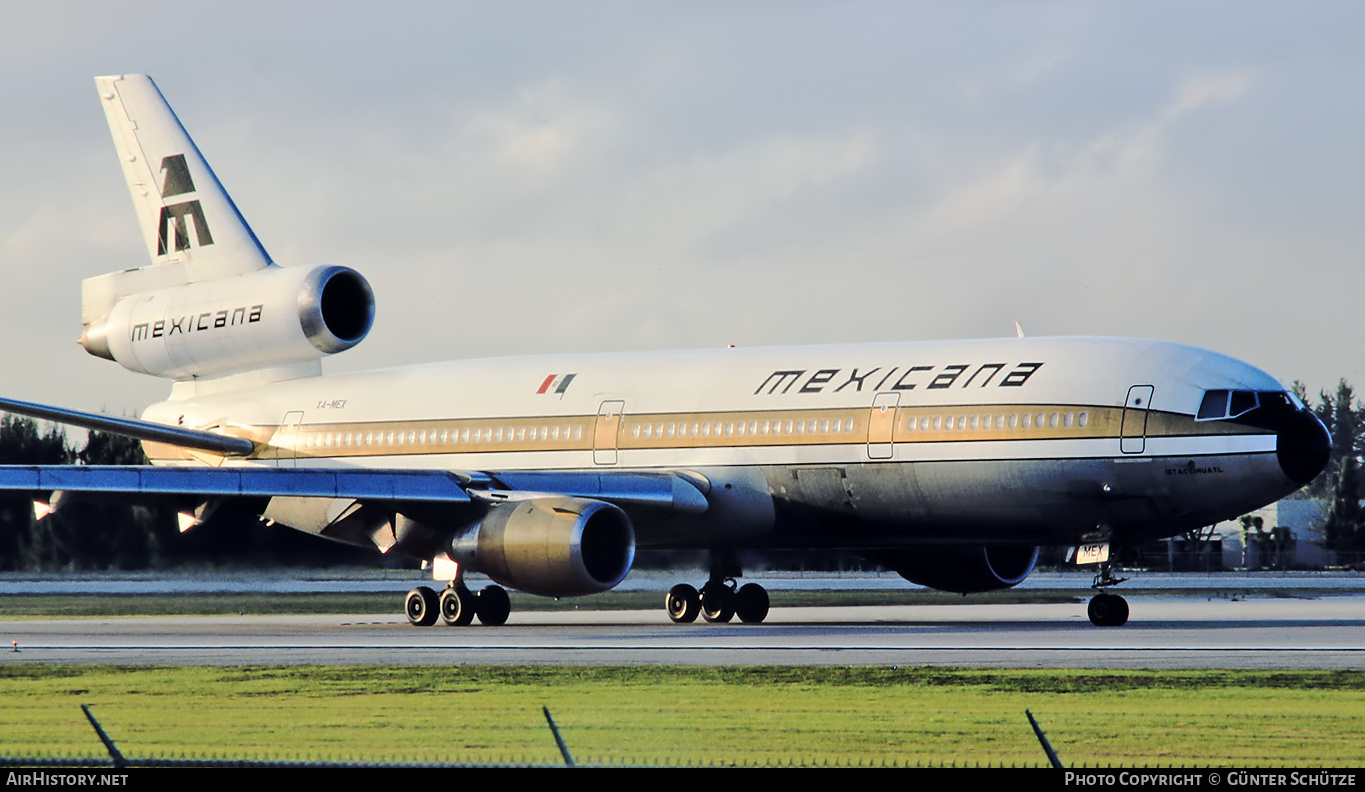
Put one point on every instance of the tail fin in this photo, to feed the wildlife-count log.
(186, 216)
(212, 305)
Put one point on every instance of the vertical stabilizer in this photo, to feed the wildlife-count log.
(188, 221)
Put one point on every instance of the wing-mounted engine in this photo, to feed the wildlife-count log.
(551, 546)
(273, 316)
(962, 570)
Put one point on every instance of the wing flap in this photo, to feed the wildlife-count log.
(665, 491)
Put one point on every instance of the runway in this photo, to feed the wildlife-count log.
(1265, 632)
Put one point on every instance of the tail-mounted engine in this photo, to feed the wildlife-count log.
(552, 546)
(269, 317)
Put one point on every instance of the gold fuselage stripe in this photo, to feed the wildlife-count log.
(689, 430)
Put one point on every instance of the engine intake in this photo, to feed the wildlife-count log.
(554, 547)
(962, 570)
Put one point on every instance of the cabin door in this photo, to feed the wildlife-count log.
(881, 425)
(286, 439)
(1133, 432)
(607, 430)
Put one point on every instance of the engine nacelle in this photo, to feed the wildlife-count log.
(264, 318)
(962, 570)
(554, 547)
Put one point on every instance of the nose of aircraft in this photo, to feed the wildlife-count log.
(1303, 445)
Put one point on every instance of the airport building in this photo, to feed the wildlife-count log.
(1286, 534)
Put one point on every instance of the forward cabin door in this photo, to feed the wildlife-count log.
(1133, 433)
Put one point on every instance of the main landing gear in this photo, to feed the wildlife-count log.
(721, 599)
(458, 606)
(1107, 610)
(718, 601)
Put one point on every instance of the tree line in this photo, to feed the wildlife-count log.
(88, 534)
(1343, 527)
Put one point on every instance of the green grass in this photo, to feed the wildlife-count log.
(678, 716)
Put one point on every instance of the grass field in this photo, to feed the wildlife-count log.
(692, 716)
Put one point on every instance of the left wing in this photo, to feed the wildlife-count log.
(663, 491)
(434, 486)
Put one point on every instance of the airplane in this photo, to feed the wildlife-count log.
(950, 462)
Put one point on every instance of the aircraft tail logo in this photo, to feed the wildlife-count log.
(175, 192)
(179, 182)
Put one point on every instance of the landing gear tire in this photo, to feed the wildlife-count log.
(717, 603)
(1108, 610)
(683, 604)
(458, 605)
(422, 607)
(493, 606)
(751, 603)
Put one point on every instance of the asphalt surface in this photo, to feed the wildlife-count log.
(1267, 631)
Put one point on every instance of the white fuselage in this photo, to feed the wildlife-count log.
(1011, 440)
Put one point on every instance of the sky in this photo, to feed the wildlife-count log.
(543, 177)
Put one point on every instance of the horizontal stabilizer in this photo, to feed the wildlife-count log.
(141, 430)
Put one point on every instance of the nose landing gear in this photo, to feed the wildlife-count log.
(1105, 609)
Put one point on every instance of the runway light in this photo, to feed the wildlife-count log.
(16, 646)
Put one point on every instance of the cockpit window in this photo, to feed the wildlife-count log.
(1242, 402)
(1214, 406)
(1220, 404)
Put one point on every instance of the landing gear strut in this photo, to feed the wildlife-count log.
(1107, 610)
